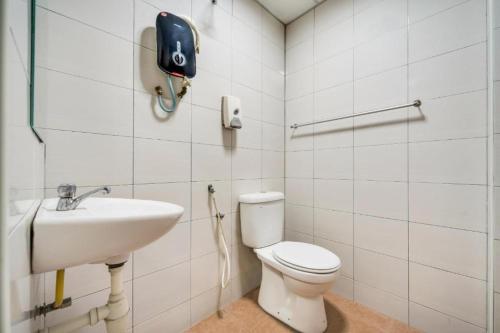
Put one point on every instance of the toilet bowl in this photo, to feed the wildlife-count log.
(295, 275)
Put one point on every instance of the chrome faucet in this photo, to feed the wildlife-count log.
(67, 192)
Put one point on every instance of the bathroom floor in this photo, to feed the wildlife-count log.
(344, 316)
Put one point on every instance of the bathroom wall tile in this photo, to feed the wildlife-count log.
(452, 73)
(339, 69)
(59, 51)
(380, 18)
(210, 163)
(251, 101)
(330, 13)
(449, 30)
(429, 320)
(458, 251)
(202, 206)
(161, 161)
(248, 11)
(169, 250)
(299, 219)
(382, 199)
(245, 39)
(334, 40)
(454, 161)
(345, 253)
(333, 135)
(386, 128)
(272, 137)
(272, 56)
(381, 301)
(299, 164)
(300, 30)
(208, 89)
(204, 235)
(294, 236)
(455, 295)
(334, 102)
(249, 136)
(382, 272)
(241, 169)
(299, 110)
(333, 225)
(344, 287)
(299, 57)
(333, 163)
(299, 83)
(146, 73)
(242, 284)
(273, 110)
(420, 9)
(243, 260)
(299, 139)
(273, 164)
(273, 82)
(386, 162)
(107, 109)
(333, 194)
(207, 127)
(273, 185)
(273, 29)
(380, 54)
(212, 20)
(243, 186)
(153, 296)
(150, 121)
(246, 70)
(453, 117)
(380, 235)
(206, 304)
(171, 321)
(214, 57)
(87, 159)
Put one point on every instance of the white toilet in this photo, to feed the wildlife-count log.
(295, 275)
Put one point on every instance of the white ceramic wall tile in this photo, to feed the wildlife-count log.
(157, 161)
(344, 287)
(172, 321)
(456, 295)
(381, 301)
(299, 83)
(241, 169)
(429, 320)
(382, 272)
(251, 101)
(456, 72)
(242, 187)
(87, 159)
(243, 260)
(334, 102)
(214, 56)
(299, 110)
(207, 127)
(453, 117)
(339, 69)
(458, 251)
(208, 88)
(300, 30)
(205, 304)
(210, 162)
(169, 250)
(333, 135)
(384, 236)
(345, 253)
(333, 225)
(333, 41)
(212, 20)
(299, 164)
(299, 191)
(294, 236)
(153, 296)
(454, 161)
(456, 206)
(246, 70)
(330, 13)
(249, 136)
(108, 60)
(272, 55)
(248, 11)
(273, 110)
(333, 163)
(273, 82)
(299, 57)
(382, 199)
(385, 162)
(202, 207)
(273, 29)
(449, 30)
(420, 9)
(333, 194)
(272, 137)
(299, 219)
(204, 235)
(273, 164)
(106, 109)
(245, 39)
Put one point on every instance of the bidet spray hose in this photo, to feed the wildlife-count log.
(226, 270)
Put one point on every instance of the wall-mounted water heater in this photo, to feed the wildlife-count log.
(231, 112)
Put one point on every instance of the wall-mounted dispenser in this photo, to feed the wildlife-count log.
(176, 48)
(231, 112)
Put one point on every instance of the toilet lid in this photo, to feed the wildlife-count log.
(306, 257)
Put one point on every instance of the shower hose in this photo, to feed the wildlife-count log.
(226, 270)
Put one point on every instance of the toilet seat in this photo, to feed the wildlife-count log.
(306, 257)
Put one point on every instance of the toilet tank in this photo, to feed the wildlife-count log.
(262, 218)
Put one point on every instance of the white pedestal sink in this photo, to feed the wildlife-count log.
(99, 230)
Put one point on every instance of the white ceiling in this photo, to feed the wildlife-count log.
(288, 10)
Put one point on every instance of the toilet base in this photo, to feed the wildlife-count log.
(301, 308)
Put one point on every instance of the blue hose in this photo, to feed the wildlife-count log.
(172, 96)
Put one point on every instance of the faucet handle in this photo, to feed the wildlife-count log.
(66, 190)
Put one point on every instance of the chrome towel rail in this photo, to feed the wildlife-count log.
(415, 103)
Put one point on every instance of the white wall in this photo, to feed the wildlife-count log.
(24, 170)
(95, 77)
(401, 196)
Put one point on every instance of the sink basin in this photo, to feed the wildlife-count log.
(99, 230)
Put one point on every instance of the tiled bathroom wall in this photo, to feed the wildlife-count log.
(24, 176)
(400, 196)
(96, 110)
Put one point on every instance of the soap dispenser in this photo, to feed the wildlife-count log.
(231, 112)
